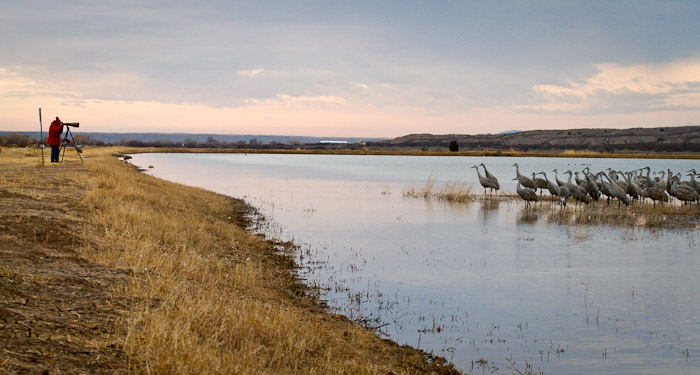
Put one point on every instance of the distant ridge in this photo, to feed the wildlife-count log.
(114, 138)
(663, 139)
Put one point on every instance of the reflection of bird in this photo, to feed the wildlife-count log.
(490, 176)
(526, 193)
(523, 180)
(485, 182)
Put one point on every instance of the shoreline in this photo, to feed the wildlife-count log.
(157, 277)
(391, 152)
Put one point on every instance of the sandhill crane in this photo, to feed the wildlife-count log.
(551, 186)
(556, 178)
(564, 194)
(490, 176)
(577, 191)
(613, 174)
(591, 186)
(684, 193)
(633, 190)
(485, 182)
(540, 183)
(694, 183)
(524, 180)
(616, 191)
(605, 188)
(526, 193)
(654, 191)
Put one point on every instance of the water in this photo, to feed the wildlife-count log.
(482, 284)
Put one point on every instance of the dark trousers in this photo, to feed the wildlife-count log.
(55, 151)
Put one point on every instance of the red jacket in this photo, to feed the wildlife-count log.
(55, 131)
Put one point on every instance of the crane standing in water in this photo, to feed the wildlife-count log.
(526, 193)
(523, 180)
(486, 182)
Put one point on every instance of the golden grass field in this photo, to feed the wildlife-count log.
(107, 270)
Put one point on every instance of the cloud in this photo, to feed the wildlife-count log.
(249, 73)
(622, 88)
(289, 100)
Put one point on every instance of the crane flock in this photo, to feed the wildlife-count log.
(584, 187)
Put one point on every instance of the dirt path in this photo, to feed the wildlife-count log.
(57, 311)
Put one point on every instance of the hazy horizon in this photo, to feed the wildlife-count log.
(359, 69)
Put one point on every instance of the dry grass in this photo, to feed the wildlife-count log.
(206, 296)
(450, 191)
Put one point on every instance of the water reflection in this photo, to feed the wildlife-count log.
(478, 282)
(527, 216)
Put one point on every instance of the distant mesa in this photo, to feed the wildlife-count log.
(661, 139)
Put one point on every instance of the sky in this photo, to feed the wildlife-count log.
(349, 68)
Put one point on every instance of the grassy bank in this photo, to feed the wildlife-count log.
(169, 281)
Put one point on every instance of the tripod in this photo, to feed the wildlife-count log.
(65, 143)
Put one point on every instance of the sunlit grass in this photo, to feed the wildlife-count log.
(453, 191)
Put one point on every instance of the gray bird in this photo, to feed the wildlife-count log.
(616, 191)
(485, 182)
(540, 183)
(526, 193)
(523, 180)
(578, 192)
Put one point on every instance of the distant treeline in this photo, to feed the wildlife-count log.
(23, 140)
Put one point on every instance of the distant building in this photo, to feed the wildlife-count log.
(335, 142)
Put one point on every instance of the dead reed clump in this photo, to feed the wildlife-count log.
(452, 191)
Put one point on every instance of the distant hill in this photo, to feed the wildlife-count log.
(665, 139)
(115, 138)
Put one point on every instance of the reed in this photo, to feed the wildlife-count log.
(453, 191)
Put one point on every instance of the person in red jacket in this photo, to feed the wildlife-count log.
(54, 140)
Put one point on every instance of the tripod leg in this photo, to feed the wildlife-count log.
(75, 145)
(63, 154)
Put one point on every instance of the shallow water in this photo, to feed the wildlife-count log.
(484, 283)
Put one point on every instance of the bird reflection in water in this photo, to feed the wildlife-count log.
(527, 216)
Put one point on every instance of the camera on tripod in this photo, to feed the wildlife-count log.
(66, 142)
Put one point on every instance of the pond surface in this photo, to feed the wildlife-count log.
(484, 284)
